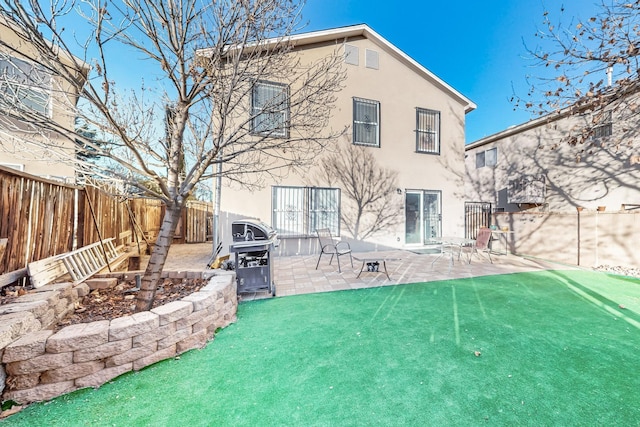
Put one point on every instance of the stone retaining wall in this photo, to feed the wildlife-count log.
(39, 364)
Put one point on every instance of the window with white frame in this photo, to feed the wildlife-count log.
(488, 158)
(427, 131)
(366, 122)
(25, 85)
(270, 109)
(300, 211)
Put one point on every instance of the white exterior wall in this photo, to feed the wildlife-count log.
(400, 87)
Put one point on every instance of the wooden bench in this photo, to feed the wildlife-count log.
(79, 264)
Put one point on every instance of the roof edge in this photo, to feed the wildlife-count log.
(365, 30)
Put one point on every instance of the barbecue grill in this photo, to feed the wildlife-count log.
(252, 244)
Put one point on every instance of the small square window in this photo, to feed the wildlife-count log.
(487, 158)
(491, 157)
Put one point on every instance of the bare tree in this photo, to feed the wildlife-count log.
(228, 89)
(590, 67)
(371, 204)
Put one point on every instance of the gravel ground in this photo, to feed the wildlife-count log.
(624, 271)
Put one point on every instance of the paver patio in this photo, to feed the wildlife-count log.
(298, 275)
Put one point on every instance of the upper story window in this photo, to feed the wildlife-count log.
(427, 131)
(270, 109)
(366, 122)
(24, 85)
(604, 126)
(487, 158)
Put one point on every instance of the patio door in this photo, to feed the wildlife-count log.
(423, 216)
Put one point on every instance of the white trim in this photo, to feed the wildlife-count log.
(361, 30)
(16, 166)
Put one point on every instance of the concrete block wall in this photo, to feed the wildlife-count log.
(41, 364)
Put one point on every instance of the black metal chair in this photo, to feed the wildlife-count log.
(328, 245)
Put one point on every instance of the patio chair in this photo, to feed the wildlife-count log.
(482, 244)
(328, 245)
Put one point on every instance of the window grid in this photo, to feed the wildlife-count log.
(299, 211)
(427, 131)
(605, 126)
(366, 122)
(270, 109)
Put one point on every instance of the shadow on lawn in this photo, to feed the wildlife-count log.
(600, 300)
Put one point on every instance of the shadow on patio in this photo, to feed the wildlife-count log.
(296, 275)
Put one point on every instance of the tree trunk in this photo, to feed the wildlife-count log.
(152, 274)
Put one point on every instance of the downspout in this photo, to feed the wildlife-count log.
(216, 206)
(579, 209)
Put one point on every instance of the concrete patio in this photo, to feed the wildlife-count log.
(298, 275)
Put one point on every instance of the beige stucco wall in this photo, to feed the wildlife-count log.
(400, 88)
(16, 147)
(597, 173)
(589, 239)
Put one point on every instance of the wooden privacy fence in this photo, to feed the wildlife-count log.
(125, 220)
(197, 223)
(40, 218)
(36, 218)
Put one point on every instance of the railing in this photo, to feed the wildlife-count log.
(476, 215)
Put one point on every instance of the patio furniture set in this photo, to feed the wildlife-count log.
(449, 246)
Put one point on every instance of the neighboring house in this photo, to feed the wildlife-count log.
(532, 167)
(30, 93)
(411, 120)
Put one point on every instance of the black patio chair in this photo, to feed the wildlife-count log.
(328, 245)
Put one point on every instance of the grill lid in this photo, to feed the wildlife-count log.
(245, 230)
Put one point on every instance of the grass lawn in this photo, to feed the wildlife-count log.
(545, 348)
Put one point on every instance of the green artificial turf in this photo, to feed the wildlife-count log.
(555, 348)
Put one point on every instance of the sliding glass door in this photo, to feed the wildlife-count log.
(423, 216)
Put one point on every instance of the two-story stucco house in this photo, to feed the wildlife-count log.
(533, 167)
(412, 121)
(27, 85)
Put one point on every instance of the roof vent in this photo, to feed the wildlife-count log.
(371, 59)
(351, 54)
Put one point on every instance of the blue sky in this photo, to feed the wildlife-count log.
(475, 46)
